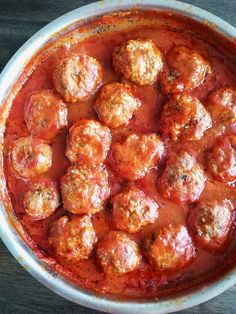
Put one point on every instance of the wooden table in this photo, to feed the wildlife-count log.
(19, 291)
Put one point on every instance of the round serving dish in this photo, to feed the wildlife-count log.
(11, 238)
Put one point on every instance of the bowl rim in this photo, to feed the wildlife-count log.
(10, 237)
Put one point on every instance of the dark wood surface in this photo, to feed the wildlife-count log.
(19, 291)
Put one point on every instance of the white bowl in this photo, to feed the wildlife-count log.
(8, 224)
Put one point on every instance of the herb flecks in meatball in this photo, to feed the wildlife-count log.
(170, 249)
(88, 142)
(183, 179)
(41, 199)
(77, 77)
(118, 254)
(29, 157)
(221, 159)
(73, 238)
(209, 223)
(221, 104)
(138, 60)
(45, 114)
(116, 104)
(185, 70)
(184, 118)
(132, 210)
(84, 189)
(133, 158)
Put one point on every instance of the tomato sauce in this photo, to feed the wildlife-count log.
(145, 282)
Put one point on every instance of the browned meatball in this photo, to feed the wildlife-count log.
(210, 223)
(138, 60)
(118, 254)
(133, 158)
(116, 104)
(184, 118)
(88, 142)
(170, 248)
(221, 160)
(30, 157)
(77, 77)
(185, 70)
(45, 114)
(221, 104)
(183, 179)
(84, 189)
(41, 199)
(132, 210)
(73, 238)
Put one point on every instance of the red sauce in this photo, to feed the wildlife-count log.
(145, 282)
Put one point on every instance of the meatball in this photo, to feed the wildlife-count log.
(84, 189)
(116, 104)
(133, 158)
(41, 199)
(132, 210)
(138, 60)
(88, 142)
(118, 254)
(73, 238)
(185, 70)
(45, 114)
(209, 223)
(30, 157)
(221, 159)
(183, 179)
(184, 118)
(170, 248)
(221, 104)
(77, 77)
